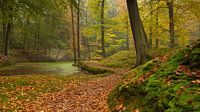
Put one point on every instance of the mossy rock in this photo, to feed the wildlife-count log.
(93, 69)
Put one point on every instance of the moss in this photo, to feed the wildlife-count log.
(93, 69)
(3, 98)
(164, 90)
(122, 59)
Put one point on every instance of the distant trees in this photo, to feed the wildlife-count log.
(107, 28)
(73, 34)
(78, 32)
(36, 27)
(95, 29)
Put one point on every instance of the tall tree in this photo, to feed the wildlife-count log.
(7, 39)
(73, 35)
(127, 35)
(138, 32)
(170, 5)
(78, 33)
(103, 29)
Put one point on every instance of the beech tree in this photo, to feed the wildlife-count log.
(138, 32)
(102, 29)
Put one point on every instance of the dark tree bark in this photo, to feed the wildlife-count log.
(88, 48)
(38, 38)
(150, 37)
(3, 31)
(102, 29)
(146, 41)
(7, 39)
(138, 32)
(78, 34)
(24, 42)
(127, 35)
(157, 40)
(73, 35)
(171, 23)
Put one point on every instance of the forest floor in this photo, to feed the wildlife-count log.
(49, 93)
(87, 96)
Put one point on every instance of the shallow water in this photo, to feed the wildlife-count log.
(48, 68)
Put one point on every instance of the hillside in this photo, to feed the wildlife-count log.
(167, 84)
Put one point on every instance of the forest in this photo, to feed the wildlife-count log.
(99, 55)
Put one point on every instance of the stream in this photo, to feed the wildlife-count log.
(46, 68)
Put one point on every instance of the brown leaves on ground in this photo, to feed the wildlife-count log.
(120, 108)
(88, 96)
(188, 72)
(196, 81)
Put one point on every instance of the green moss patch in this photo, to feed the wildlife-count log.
(161, 86)
(94, 68)
(122, 59)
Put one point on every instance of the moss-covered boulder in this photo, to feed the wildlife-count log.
(94, 68)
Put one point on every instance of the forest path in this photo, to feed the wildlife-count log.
(87, 96)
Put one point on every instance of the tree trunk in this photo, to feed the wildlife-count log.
(59, 51)
(127, 35)
(24, 42)
(78, 34)
(88, 48)
(87, 40)
(150, 28)
(150, 37)
(102, 29)
(138, 32)
(199, 29)
(38, 38)
(157, 41)
(35, 42)
(4, 31)
(7, 39)
(73, 35)
(171, 23)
